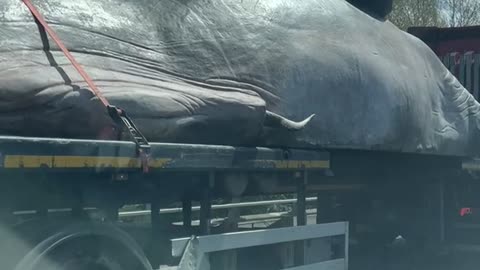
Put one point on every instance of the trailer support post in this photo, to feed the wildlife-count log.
(155, 215)
(42, 212)
(187, 212)
(441, 196)
(77, 205)
(299, 256)
(206, 205)
(112, 213)
(301, 201)
(6, 215)
(325, 208)
(227, 259)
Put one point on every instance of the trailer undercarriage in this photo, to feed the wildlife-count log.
(381, 195)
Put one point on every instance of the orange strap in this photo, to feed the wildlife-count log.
(117, 114)
(70, 57)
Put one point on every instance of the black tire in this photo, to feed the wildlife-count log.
(79, 245)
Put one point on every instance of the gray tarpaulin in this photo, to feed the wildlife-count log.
(207, 71)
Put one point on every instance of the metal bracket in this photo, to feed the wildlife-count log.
(143, 147)
(193, 258)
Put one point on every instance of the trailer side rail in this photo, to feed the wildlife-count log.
(21, 153)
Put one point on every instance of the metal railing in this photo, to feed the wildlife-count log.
(196, 252)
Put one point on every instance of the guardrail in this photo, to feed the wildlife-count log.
(179, 210)
(216, 207)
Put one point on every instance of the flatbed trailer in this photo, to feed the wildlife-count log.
(363, 188)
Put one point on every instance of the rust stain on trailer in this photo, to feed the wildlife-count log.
(36, 161)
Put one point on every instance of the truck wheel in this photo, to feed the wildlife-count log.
(85, 246)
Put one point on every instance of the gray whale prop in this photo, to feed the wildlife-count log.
(232, 72)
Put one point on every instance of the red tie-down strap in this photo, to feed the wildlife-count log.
(118, 115)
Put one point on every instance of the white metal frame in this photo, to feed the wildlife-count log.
(195, 250)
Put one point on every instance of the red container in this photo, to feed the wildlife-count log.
(459, 50)
(448, 40)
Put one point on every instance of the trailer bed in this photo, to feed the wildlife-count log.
(54, 173)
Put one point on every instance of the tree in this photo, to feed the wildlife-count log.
(461, 12)
(407, 13)
(452, 13)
